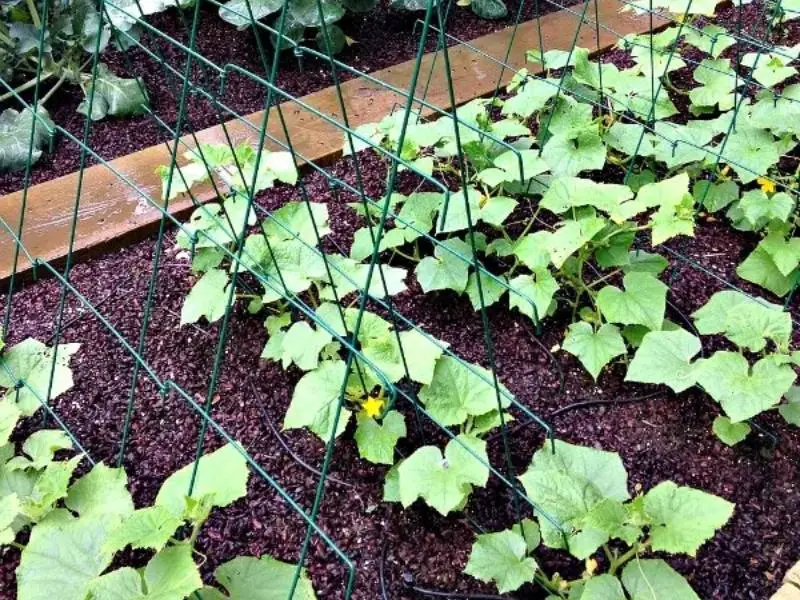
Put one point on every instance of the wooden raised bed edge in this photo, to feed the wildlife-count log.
(112, 213)
(790, 590)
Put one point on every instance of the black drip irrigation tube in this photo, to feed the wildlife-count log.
(409, 583)
(277, 434)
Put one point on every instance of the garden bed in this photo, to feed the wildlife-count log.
(383, 37)
(659, 435)
(664, 437)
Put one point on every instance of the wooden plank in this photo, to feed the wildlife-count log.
(786, 592)
(113, 212)
(793, 576)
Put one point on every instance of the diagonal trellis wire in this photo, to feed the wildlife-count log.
(414, 107)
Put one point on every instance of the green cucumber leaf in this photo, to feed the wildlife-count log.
(315, 400)
(595, 349)
(501, 558)
(31, 361)
(715, 196)
(40, 448)
(665, 357)
(448, 268)
(565, 193)
(682, 518)
(102, 491)
(603, 587)
(654, 579)
(444, 481)
(566, 482)
(265, 578)
(208, 298)
(643, 301)
(718, 84)
(146, 528)
(533, 294)
(744, 391)
(790, 410)
(760, 268)
(728, 432)
(10, 508)
(171, 573)
(219, 480)
(62, 560)
(747, 322)
(750, 152)
(458, 391)
(376, 441)
(569, 156)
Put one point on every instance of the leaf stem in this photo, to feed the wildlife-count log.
(620, 560)
(198, 525)
(25, 86)
(55, 87)
(404, 255)
(603, 278)
(37, 22)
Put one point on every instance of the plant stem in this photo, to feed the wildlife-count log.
(25, 86)
(55, 87)
(37, 22)
(548, 584)
(604, 278)
(406, 256)
(617, 562)
(196, 532)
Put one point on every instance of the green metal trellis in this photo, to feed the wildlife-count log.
(433, 27)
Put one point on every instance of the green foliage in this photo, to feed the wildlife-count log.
(582, 502)
(728, 432)
(743, 390)
(77, 529)
(682, 519)
(747, 322)
(718, 84)
(242, 169)
(654, 579)
(595, 349)
(301, 15)
(444, 481)
(643, 301)
(501, 557)
(316, 401)
(457, 392)
(73, 32)
(30, 362)
(664, 357)
(208, 489)
(208, 298)
(484, 9)
(15, 137)
(110, 95)
(376, 441)
(265, 578)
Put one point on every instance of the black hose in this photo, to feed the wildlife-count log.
(288, 450)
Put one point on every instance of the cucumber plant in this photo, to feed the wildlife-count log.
(584, 507)
(77, 527)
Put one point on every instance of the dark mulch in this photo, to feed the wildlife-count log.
(384, 37)
(667, 437)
